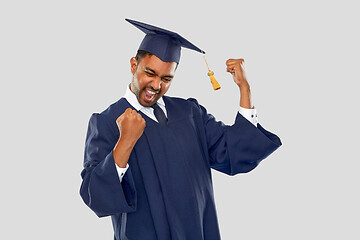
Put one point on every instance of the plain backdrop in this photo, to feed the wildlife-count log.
(60, 61)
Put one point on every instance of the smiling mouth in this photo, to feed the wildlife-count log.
(149, 95)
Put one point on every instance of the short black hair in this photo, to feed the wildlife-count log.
(142, 53)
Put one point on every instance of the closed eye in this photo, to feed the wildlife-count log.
(166, 79)
(150, 74)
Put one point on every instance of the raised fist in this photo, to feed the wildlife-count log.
(237, 68)
(131, 126)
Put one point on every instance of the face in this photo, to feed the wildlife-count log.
(151, 78)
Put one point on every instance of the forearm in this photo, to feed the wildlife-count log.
(245, 96)
(121, 152)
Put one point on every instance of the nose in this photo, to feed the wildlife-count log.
(156, 84)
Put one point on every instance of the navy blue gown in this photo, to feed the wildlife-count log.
(167, 191)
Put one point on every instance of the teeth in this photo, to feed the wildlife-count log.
(152, 93)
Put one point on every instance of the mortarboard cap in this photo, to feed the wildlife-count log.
(163, 43)
(166, 45)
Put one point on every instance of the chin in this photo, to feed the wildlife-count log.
(147, 104)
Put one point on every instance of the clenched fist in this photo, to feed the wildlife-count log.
(237, 68)
(131, 126)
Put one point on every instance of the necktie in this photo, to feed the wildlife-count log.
(159, 114)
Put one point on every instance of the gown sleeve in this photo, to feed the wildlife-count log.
(101, 188)
(238, 148)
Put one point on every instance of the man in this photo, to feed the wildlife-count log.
(148, 156)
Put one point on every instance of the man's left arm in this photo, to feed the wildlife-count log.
(238, 148)
(237, 68)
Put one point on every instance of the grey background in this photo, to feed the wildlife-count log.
(60, 61)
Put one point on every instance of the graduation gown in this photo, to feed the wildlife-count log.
(167, 192)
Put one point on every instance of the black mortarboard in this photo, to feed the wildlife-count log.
(163, 43)
(166, 45)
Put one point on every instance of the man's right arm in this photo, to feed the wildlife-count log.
(131, 126)
(100, 188)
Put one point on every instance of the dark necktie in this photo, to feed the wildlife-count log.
(159, 114)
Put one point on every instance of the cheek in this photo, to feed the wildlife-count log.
(166, 86)
(141, 80)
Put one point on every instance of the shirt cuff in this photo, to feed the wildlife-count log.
(121, 171)
(249, 114)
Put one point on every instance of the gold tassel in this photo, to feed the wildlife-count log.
(213, 81)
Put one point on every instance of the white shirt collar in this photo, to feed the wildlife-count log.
(131, 98)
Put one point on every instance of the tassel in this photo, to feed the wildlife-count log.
(213, 81)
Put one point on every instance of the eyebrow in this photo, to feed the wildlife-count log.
(153, 71)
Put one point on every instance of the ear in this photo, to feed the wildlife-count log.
(133, 65)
